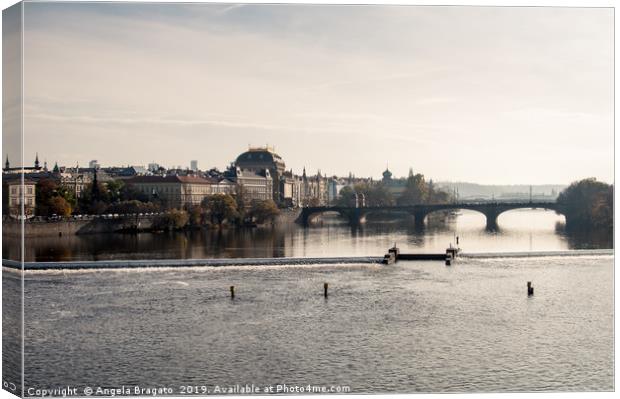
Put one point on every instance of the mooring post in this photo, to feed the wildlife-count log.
(232, 292)
(530, 289)
(325, 286)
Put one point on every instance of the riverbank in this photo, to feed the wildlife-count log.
(101, 224)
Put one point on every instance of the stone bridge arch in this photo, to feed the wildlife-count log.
(491, 210)
(421, 213)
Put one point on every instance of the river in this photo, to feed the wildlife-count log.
(519, 230)
(408, 327)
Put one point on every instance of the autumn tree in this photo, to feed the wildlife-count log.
(59, 206)
(263, 211)
(220, 208)
(53, 199)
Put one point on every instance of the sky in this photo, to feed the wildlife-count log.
(492, 95)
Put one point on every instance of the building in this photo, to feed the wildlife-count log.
(290, 189)
(193, 165)
(395, 186)
(254, 185)
(36, 168)
(75, 182)
(94, 164)
(260, 159)
(21, 194)
(176, 191)
(223, 186)
(314, 190)
(125, 172)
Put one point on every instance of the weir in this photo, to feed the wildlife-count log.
(391, 257)
(158, 263)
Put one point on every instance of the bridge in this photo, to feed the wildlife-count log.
(491, 210)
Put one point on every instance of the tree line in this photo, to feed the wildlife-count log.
(116, 197)
(416, 191)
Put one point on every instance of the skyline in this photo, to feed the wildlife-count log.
(395, 175)
(480, 94)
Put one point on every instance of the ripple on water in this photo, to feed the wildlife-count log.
(410, 327)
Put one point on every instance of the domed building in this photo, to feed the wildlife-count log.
(260, 159)
(387, 176)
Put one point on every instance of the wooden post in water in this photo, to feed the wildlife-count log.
(325, 285)
(232, 292)
(530, 289)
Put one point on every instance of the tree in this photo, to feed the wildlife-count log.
(263, 211)
(220, 207)
(379, 195)
(95, 198)
(114, 190)
(588, 204)
(346, 197)
(369, 194)
(416, 190)
(196, 215)
(173, 220)
(59, 206)
(129, 192)
(178, 218)
(240, 198)
(53, 199)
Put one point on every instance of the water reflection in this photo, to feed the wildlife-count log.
(519, 230)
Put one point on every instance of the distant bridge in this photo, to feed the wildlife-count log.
(491, 210)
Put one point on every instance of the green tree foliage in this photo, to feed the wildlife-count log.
(174, 219)
(197, 216)
(374, 194)
(129, 192)
(220, 208)
(94, 199)
(263, 211)
(589, 204)
(114, 189)
(416, 190)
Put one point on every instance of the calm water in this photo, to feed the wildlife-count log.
(520, 230)
(410, 327)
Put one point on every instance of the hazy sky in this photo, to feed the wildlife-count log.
(488, 95)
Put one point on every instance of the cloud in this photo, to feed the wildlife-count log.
(325, 84)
